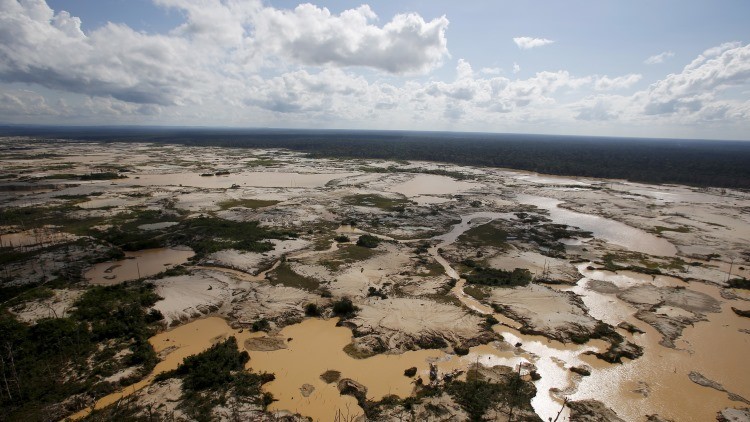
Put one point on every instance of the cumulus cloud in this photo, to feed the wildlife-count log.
(700, 81)
(300, 91)
(659, 58)
(220, 44)
(247, 63)
(490, 70)
(27, 103)
(606, 83)
(40, 47)
(313, 36)
(526, 43)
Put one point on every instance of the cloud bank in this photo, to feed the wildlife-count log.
(243, 63)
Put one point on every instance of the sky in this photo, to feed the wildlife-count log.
(667, 68)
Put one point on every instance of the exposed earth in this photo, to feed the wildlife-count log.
(576, 299)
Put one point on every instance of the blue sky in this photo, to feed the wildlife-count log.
(635, 68)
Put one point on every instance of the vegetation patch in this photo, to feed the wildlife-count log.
(661, 229)
(56, 358)
(217, 376)
(739, 283)
(477, 292)
(206, 235)
(368, 241)
(344, 308)
(347, 254)
(499, 278)
(478, 395)
(330, 376)
(491, 234)
(285, 275)
(377, 201)
(246, 203)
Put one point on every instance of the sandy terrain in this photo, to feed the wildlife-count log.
(659, 262)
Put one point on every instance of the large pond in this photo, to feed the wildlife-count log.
(145, 263)
(248, 179)
(431, 184)
(612, 231)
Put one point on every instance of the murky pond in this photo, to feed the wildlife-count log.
(40, 236)
(431, 184)
(603, 228)
(311, 348)
(657, 382)
(136, 265)
(249, 179)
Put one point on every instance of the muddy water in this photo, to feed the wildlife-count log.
(175, 345)
(137, 264)
(430, 184)
(715, 348)
(317, 346)
(250, 179)
(33, 237)
(551, 358)
(603, 228)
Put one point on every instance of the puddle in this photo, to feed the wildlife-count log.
(136, 265)
(603, 228)
(661, 374)
(431, 184)
(250, 179)
(110, 203)
(158, 226)
(33, 237)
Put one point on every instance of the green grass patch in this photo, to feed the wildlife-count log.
(348, 254)
(354, 253)
(284, 275)
(477, 292)
(246, 203)
(264, 162)
(499, 278)
(490, 234)
(377, 201)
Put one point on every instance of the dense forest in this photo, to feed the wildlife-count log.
(690, 162)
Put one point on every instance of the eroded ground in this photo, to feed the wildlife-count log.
(624, 298)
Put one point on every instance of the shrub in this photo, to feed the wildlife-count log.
(342, 238)
(312, 310)
(368, 241)
(344, 308)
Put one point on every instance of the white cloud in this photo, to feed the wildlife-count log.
(490, 70)
(659, 58)
(313, 36)
(245, 63)
(26, 103)
(606, 83)
(220, 45)
(700, 81)
(526, 43)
